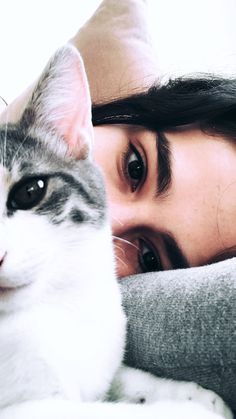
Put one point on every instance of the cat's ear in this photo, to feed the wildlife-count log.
(61, 102)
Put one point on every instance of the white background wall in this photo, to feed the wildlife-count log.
(189, 36)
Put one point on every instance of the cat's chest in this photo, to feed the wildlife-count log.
(49, 352)
(33, 355)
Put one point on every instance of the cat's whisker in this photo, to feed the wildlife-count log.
(121, 261)
(5, 142)
(125, 241)
(117, 220)
(121, 249)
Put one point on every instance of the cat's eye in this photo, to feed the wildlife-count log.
(149, 259)
(134, 168)
(27, 193)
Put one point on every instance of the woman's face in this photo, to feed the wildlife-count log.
(172, 199)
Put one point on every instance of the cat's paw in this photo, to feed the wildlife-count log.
(209, 399)
(135, 386)
(185, 410)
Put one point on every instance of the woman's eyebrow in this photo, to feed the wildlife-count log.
(176, 257)
(164, 174)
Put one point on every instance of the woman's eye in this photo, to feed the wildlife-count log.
(149, 259)
(27, 193)
(134, 168)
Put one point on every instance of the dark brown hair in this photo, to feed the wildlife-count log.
(208, 102)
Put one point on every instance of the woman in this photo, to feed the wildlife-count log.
(170, 173)
(168, 156)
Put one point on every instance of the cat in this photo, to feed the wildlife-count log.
(62, 326)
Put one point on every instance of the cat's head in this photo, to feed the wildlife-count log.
(52, 208)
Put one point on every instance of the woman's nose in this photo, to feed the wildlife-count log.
(122, 223)
(123, 217)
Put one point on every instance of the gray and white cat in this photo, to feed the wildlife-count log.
(62, 328)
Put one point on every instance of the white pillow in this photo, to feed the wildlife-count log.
(116, 49)
(117, 52)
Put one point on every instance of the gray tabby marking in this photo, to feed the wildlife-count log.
(76, 183)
